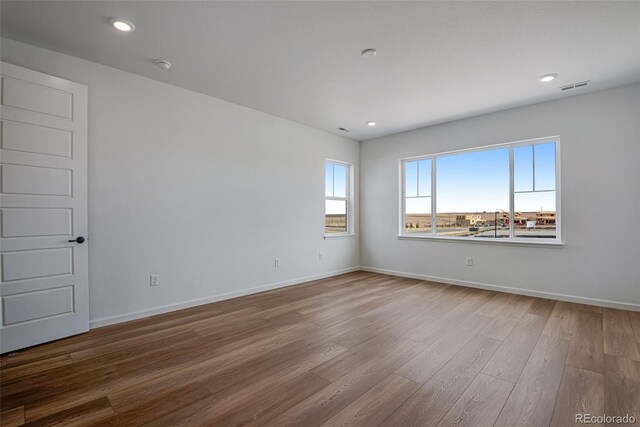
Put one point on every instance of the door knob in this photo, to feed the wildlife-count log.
(79, 239)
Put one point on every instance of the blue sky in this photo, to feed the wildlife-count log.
(335, 185)
(478, 181)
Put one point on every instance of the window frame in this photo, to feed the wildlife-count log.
(348, 199)
(512, 239)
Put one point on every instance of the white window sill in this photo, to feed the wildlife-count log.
(519, 242)
(338, 236)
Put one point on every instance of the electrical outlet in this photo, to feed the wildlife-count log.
(153, 280)
(276, 262)
(469, 262)
(319, 256)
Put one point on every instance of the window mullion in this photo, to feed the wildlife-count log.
(333, 179)
(533, 166)
(418, 178)
(511, 195)
(403, 196)
(347, 193)
(433, 196)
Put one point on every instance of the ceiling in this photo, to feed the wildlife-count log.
(436, 62)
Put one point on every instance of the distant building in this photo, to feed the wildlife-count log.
(546, 218)
(470, 220)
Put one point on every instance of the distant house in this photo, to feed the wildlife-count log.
(469, 220)
(544, 218)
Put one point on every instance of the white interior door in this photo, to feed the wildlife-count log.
(43, 204)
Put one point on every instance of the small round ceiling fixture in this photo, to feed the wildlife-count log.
(369, 53)
(547, 78)
(371, 124)
(123, 25)
(163, 64)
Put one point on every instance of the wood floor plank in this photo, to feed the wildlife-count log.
(25, 393)
(434, 399)
(85, 414)
(268, 405)
(257, 396)
(149, 381)
(96, 337)
(634, 317)
(260, 398)
(343, 350)
(430, 332)
(166, 403)
(374, 406)
(495, 305)
(532, 399)
(542, 307)
(342, 364)
(11, 374)
(461, 303)
(326, 403)
(581, 392)
(13, 417)
(562, 321)
(220, 372)
(504, 322)
(480, 404)
(396, 310)
(507, 363)
(428, 362)
(619, 339)
(337, 315)
(352, 335)
(587, 307)
(622, 387)
(587, 347)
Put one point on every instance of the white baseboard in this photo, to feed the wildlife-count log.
(528, 292)
(104, 321)
(119, 318)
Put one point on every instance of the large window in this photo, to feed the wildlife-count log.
(337, 203)
(507, 191)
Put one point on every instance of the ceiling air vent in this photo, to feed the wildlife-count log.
(575, 85)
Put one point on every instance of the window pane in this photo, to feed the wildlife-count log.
(335, 216)
(545, 155)
(339, 180)
(535, 214)
(328, 179)
(418, 205)
(424, 178)
(523, 168)
(417, 217)
(411, 179)
(470, 188)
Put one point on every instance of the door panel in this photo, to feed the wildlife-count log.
(35, 139)
(43, 205)
(37, 305)
(35, 222)
(39, 263)
(36, 180)
(35, 97)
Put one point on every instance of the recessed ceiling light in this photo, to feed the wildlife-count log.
(123, 25)
(369, 53)
(371, 123)
(547, 78)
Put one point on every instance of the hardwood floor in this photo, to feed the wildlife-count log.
(357, 349)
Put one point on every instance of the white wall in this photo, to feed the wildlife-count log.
(207, 193)
(600, 162)
(203, 192)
